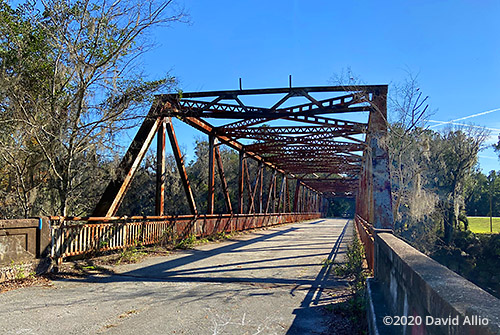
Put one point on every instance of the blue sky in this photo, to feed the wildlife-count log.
(453, 47)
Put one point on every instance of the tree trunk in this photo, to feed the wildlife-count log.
(449, 221)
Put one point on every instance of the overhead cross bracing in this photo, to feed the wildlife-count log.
(316, 146)
(311, 142)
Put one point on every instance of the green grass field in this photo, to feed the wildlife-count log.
(481, 225)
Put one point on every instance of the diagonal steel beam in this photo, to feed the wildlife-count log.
(180, 166)
(270, 191)
(251, 202)
(222, 176)
(115, 191)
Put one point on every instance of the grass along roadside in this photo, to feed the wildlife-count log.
(481, 224)
(353, 308)
(102, 264)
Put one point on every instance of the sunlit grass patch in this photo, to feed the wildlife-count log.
(481, 225)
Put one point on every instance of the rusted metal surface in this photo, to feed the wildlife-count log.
(328, 157)
(211, 174)
(290, 91)
(270, 192)
(77, 236)
(254, 192)
(365, 233)
(381, 187)
(250, 197)
(296, 196)
(313, 146)
(116, 189)
(160, 169)
(222, 176)
(180, 166)
(241, 182)
(261, 187)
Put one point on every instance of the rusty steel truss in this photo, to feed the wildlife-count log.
(309, 143)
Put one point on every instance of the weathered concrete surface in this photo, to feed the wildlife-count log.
(414, 285)
(268, 282)
(23, 245)
(23, 240)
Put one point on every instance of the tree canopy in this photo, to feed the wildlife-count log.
(69, 86)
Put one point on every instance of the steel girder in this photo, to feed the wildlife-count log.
(325, 155)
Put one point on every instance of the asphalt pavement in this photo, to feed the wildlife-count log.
(272, 281)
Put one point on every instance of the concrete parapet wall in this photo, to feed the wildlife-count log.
(414, 286)
(23, 240)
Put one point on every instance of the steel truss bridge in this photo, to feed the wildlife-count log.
(312, 144)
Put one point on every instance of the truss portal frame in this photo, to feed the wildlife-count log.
(326, 155)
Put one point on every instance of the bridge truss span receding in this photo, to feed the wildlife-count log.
(315, 136)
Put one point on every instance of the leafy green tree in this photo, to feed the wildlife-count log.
(70, 86)
(453, 157)
(497, 146)
(341, 207)
(483, 190)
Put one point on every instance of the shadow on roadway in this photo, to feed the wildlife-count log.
(172, 270)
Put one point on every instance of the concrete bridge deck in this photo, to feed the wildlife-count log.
(270, 281)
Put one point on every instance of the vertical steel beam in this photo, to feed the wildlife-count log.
(303, 200)
(281, 202)
(241, 182)
(361, 196)
(321, 204)
(222, 176)
(296, 196)
(251, 202)
(180, 166)
(261, 169)
(287, 196)
(115, 191)
(160, 169)
(380, 173)
(211, 174)
(369, 187)
(311, 201)
(306, 200)
(274, 194)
